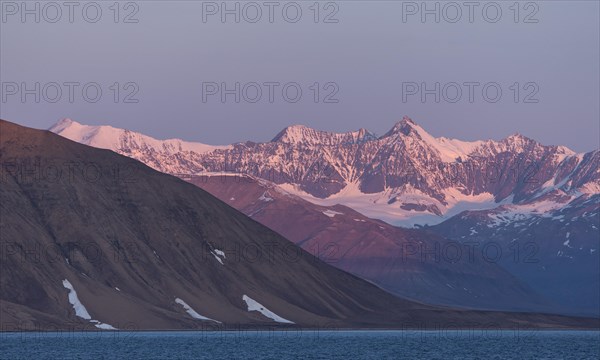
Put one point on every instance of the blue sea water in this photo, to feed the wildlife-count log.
(305, 344)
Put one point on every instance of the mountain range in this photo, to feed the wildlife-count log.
(404, 177)
(530, 209)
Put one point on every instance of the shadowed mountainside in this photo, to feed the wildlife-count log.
(412, 263)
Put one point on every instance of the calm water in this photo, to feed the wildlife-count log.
(306, 344)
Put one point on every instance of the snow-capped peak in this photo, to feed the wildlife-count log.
(292, 133)
(404, 126)
(300, 134)
(163, 155)
(108, 137)
(519, 141)
(447, 149)
(105, 137)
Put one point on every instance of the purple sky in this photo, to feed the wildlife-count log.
(369, 53)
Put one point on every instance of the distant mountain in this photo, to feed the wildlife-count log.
(555, 251)
(158, 154)
(95, 240)
(405, 177)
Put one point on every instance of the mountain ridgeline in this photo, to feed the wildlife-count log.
(404, 177)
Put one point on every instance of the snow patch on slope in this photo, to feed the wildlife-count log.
(509, 213)
(192, 312)
(218, 254)
(80, 310)
(332, 213)
(254, 305)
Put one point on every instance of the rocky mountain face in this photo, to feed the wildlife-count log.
(404, 177)
(554, 251)
(95, 240)
(411, 263)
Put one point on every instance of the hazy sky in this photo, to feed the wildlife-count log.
(374, 60)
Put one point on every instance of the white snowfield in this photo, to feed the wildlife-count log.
(80, 310)
(192, 312)
(254, 305)
(377, 205)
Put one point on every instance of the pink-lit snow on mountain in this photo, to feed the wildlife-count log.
(108, 137)
(163, 155)
(405, 177)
